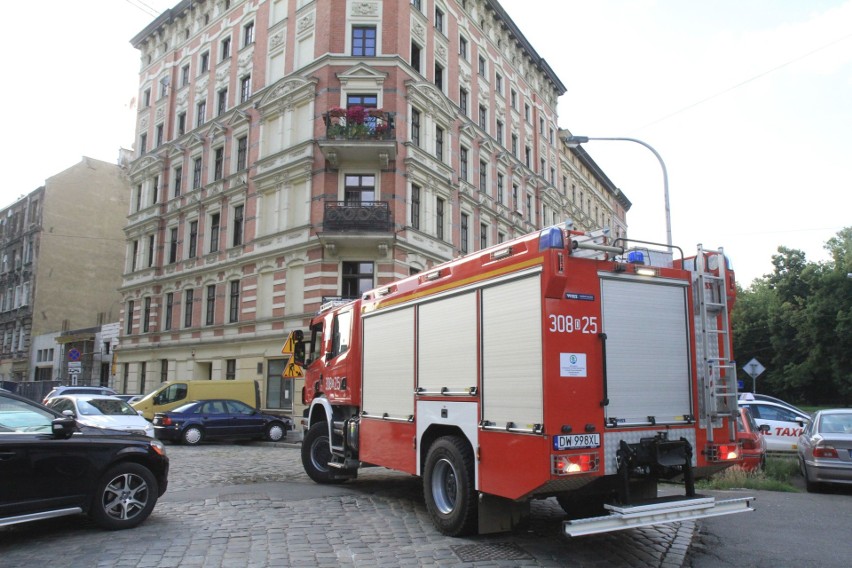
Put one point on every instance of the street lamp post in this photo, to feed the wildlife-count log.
(574, 141)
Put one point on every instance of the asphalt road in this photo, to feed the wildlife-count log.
(796, 530)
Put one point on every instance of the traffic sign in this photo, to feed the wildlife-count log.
(754, 368)
(292, 370)
(74, 354)
(290, 345)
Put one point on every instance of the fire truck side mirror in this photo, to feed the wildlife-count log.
(299, 353)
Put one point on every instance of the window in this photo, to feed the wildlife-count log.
(415, 126)
(173, 244)
(515, 195)
(500, 132)
(363, 41)
(498, 83)
(146, 318)
(481, 66)
(513, 97)
(184, 75)
(483, 176)
(359, 188)
(170, 303)
(439, 19)
(501, 237)
(150, 251)
(463, 47)
(146, 98)
(143, 144)
(528, 156)
(129, 317)
(132, 258)
(463, 163)
(204, 66)
(181, 126)
(196, 172)
(439, 218)
(238, 225)
(248, 34)
(225, 49)
(211, 305)
(245, 88)
(242, 152)
(499, 188)
(218, 163)
(164, 370)
(155, 190)
(178, 181)
(439, 143)
(234, 302)
(415, 206)
(526, 112)
(187, 307)
(415, 56)
(417, 4)
(143, 370)
(357, 278)
(464, 230)
(439, 76)
(159, 135)
(138, 198)
(542, 166)
(200, 113)
(214, 232)
(340, 333)
(463, 96)
(530, 211)
(221, 101)
(193, 239)
(483, 236)
(483, 118)
(515, 145)
(231, 372)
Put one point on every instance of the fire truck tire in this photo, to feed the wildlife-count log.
(316, 454)
(448, 487)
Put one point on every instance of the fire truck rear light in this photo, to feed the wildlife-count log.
(825, 452)
(723, 452)
(574, 463)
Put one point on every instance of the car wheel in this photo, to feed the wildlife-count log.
(275, 432)
(448, 487)
(810, 486)
(316, 455)
(193, 435)
(125, 496)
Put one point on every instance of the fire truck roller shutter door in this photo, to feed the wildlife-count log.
(388, 373)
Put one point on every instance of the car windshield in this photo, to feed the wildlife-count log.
(18, 416)
(105, 407)
(836, 424)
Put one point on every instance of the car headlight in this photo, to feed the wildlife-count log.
(158, 447)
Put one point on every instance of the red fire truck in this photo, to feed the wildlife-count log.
(560, 364)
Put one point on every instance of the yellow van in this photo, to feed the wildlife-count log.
(175, 393)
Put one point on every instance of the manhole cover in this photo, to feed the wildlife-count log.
(480, 552)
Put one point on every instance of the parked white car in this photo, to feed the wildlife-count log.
(103, 412)
(784, 420)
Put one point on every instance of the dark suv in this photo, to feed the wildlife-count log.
(50, 467)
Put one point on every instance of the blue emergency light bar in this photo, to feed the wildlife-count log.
(551, 238)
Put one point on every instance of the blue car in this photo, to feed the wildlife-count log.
(201, 420)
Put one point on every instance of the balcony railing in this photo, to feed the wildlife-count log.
(358, 123)
(358, 216)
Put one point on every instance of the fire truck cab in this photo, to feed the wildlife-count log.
(559, 364)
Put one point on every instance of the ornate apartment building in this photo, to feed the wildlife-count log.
(294, 150)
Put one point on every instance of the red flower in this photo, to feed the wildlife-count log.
(356, 115)
(337, 111)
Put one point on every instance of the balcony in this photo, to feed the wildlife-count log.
(365, 216)
(357, 134)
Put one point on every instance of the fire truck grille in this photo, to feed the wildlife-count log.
(486, 552)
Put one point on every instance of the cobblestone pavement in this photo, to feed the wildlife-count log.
(253, 506)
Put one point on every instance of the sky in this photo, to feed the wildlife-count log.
(748, 103)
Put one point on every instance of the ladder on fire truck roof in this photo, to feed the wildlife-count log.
(716, 368)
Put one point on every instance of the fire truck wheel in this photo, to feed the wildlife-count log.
(448, 486)
(316, 454)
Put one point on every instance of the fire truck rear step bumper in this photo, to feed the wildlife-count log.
(656, 513)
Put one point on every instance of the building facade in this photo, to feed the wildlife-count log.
(60, 261)
(288, 151)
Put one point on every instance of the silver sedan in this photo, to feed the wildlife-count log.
(825, 448)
